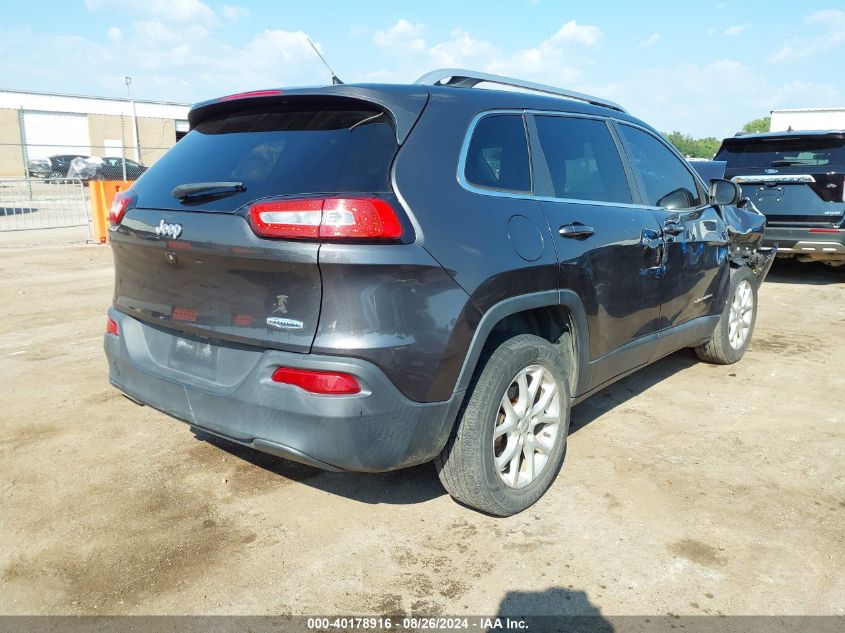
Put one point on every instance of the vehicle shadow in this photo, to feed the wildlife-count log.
(555, 609)
(401, 487)
(9, 211)
(420, 483)
(789, 271)
(619, 393)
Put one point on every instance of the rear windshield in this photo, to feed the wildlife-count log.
(275, 152)
(800, 153)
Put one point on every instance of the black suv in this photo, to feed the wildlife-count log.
(797, 179)
(368, 277)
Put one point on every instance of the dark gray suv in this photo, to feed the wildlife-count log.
(368, 277)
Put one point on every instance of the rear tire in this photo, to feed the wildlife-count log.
(509, 441)
(736, 323)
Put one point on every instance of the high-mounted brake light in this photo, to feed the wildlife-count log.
(326, 218)
(322, 382)
(111, 327)
(123, 201)
(249, 95)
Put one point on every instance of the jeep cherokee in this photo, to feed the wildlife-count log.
(368, 277)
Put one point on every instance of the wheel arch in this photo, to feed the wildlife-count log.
(557, 316)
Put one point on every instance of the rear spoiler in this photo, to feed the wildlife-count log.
(742, 138)
(403, 103)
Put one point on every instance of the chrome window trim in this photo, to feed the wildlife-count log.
(502, 193)
(491, 191)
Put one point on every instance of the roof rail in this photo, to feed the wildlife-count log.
(457, 77)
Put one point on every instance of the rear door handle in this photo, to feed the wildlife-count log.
(576, 231)
(673, 226)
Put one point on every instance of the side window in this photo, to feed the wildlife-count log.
(582, 159)
(497, 157)
(668, 183)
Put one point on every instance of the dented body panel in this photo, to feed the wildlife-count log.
(746, 233)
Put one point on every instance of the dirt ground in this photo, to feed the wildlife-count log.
(688, 488)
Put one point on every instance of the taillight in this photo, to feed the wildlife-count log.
(326, 218)
(123, 201)
(825, 230)
(111, 327)
(322, 382)
(287, 218)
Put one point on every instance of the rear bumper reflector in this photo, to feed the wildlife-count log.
(321, 382)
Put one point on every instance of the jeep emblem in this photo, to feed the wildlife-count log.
(168, 230)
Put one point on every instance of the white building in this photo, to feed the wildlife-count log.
(38, 124)
(808, 119)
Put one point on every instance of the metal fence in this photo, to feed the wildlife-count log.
(43, 203)
(51, 191)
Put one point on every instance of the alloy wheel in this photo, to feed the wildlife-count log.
(527, 426)
(742, 311)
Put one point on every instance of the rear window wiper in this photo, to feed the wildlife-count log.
(203, 189)
(796, 161)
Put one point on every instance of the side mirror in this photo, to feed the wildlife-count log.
(724, 192)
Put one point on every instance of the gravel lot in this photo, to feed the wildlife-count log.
(688, 488)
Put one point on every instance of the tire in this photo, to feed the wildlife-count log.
(726, 347)
(467, 466)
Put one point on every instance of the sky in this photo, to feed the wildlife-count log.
(701, 67)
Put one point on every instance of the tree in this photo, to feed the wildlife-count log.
(694, 147)
(758, 125)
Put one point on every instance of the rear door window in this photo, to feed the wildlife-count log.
(497, 157)
(665, 180)
(582, 159)
(276, 152)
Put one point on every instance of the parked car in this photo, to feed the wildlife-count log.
(368, 277)
(39, 168)
(708, 169)
(108, 168)
(797, 179)
(85, 168)
(60, 164)
(112, 169)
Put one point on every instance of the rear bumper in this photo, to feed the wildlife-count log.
(800, 241)
(378, 429)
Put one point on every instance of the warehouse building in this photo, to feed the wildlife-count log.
(37, 125)
(808, 119)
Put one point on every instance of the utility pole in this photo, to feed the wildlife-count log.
(128, 81)
(122, 143)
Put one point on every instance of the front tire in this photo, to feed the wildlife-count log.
(736, 323)
(509, 441)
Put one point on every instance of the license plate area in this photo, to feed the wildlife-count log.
(195, 357)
